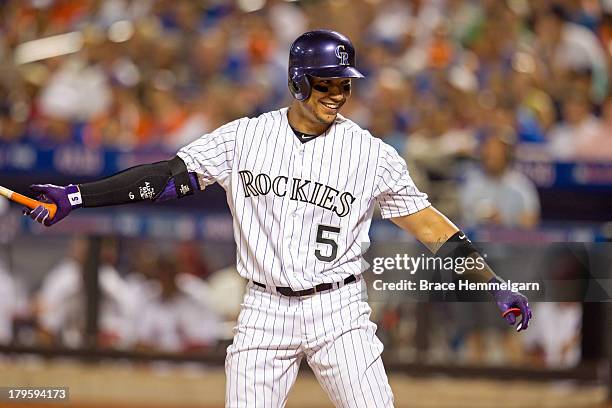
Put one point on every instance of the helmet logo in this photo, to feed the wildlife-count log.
(342, 55)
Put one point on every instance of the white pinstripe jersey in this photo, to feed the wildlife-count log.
(302, 211)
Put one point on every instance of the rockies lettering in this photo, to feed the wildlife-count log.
(305, 191)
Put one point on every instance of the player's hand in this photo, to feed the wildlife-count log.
(50, 193)
(513, 304)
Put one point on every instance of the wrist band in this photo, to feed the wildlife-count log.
(457, 246)
(74, 196)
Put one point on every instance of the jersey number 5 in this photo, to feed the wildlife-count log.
(327, 241)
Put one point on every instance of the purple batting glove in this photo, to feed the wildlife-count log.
(66, 198)
(507, 299)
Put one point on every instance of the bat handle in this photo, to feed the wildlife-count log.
(32, 203)
(52, 209)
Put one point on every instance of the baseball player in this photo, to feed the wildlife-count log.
(302, 183)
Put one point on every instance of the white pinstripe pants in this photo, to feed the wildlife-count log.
(331, 329)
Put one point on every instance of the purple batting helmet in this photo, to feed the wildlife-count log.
(320, 53)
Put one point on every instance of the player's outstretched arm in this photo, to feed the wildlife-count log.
(444, 239)
(159, 181)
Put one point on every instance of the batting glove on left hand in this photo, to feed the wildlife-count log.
(65, 198)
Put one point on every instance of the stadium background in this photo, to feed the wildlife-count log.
(133, 306)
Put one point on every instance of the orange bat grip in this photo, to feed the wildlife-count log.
(32, 203)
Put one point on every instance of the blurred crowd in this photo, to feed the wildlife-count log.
(442, 78)
(440, 73)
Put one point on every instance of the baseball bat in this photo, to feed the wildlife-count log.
(27, 201)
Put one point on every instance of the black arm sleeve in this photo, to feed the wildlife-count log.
(144, 182)
(459, 246)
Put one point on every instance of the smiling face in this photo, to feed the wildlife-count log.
(315, 114)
